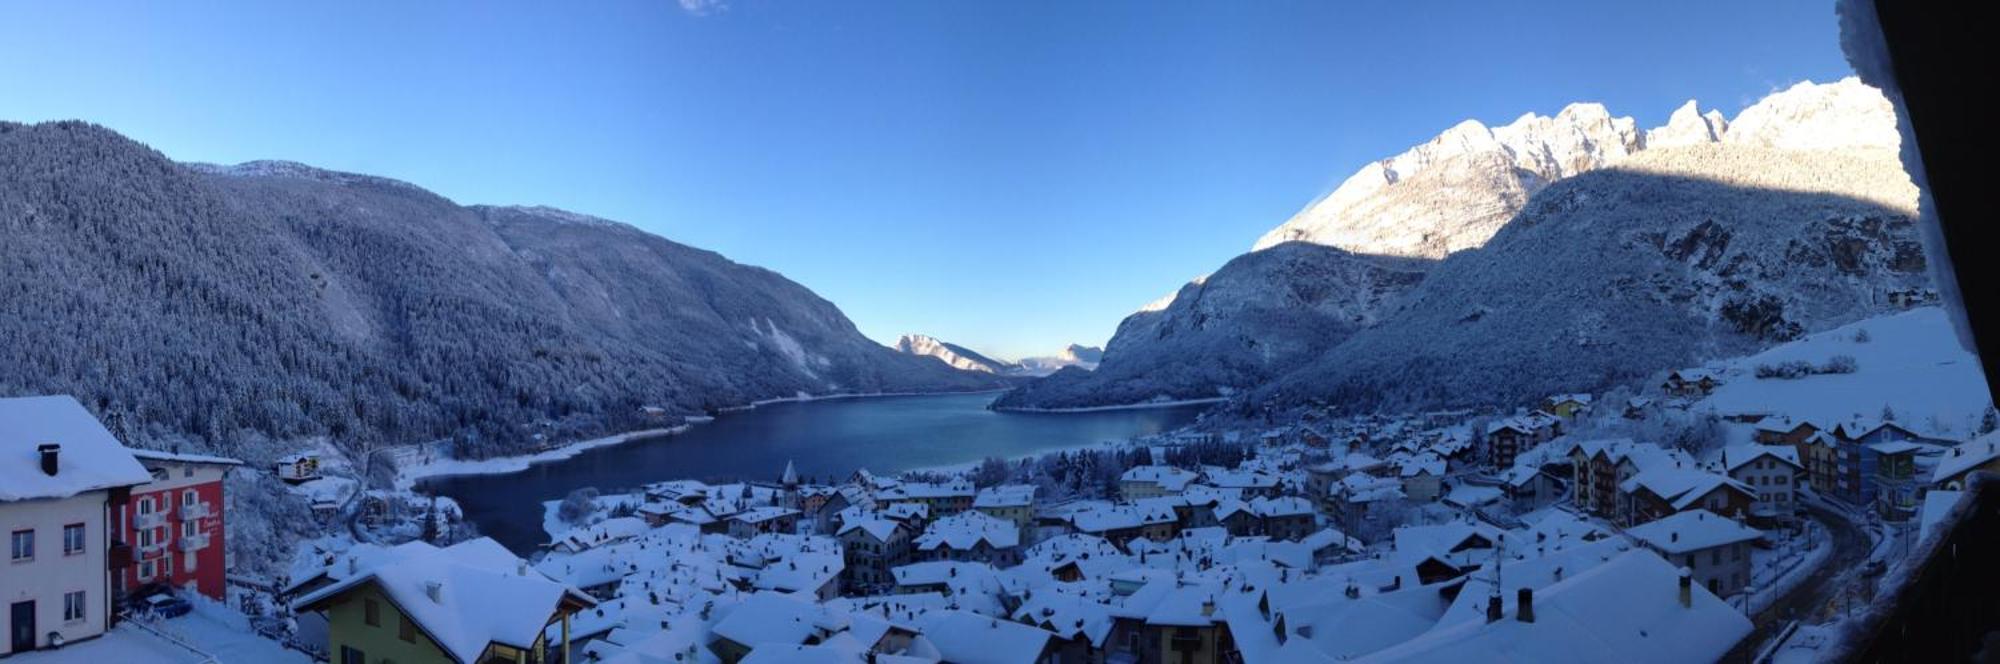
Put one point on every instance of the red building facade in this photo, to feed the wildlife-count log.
(174, 526)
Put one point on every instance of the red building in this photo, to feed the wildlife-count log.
(173, 525)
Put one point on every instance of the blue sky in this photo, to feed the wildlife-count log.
(1011, 176)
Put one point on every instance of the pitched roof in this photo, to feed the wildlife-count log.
(970, 638)
(89, 459)
(1625, 610)
(1692, 530)
(464, 596)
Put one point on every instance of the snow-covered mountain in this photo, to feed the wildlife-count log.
(966, 359)
(1576, 241)
(1075, 355)
(276, 300)
(959, 357)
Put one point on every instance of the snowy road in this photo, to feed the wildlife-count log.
(1820, 592)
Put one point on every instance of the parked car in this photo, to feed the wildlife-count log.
(164, 605)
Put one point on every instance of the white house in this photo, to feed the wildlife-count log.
(60, 471)
(1771, 472)
(1715, 548)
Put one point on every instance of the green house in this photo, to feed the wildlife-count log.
(469, 603)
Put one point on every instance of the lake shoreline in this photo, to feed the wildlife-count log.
(1143, 405)
(408, 478)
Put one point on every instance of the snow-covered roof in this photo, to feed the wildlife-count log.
(762, 514)
(1967, 455)
(1737, 456)
(1896, 447)
(604, 532)
(777, 618)
(1005, 495)
(969, 638)
(1692, 530)
(875, 524)
(1168, 478)
(1681, 487)
(89, 459)
(926, 490)
(966, 530)
(175, 457)
(1625, 610)
(464, 596)
(1937, 506)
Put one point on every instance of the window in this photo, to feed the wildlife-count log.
(351, 655)
(145, 537)
(24, 544)
(146, 505)
(371, 612)
(190, 529)
(189, 497)
(188, 565)
(147, 570)
(187, 471)
(406, 630)
(73, 606)
(72, 539)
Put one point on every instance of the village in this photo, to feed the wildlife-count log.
(1627, 526)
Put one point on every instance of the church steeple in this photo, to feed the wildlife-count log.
(791, 476)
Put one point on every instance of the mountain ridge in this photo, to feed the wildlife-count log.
(247, 305)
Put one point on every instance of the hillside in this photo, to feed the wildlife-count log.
(1911, 362)
(273, 301)
(1541, 235)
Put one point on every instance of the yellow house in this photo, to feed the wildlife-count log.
(469, 603)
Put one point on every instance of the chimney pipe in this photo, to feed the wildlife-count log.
(1524, 605)
(435, 590)
(1493, 608)
(49, 452)
(1687, 588)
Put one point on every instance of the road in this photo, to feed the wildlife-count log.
(1820, 593)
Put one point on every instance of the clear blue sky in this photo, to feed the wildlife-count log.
(1012, 176)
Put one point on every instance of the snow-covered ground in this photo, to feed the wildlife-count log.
(1910, 361)
(125, 643)
(408, 476)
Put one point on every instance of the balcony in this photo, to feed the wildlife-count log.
(191, 544)
(149, 520)
(194, 511)
(151, 551)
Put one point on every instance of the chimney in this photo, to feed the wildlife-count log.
(49, 452)
(1493, 608)
(1208, 607)
(521, 568)
(435, 591)
(1524, 605)
(1687, 588)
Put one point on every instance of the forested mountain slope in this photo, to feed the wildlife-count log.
(276, 301)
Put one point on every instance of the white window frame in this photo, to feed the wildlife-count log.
(75, 608)
(147, 570)
(16, 551)
(190, 497)
(82, 538)
(147, 505)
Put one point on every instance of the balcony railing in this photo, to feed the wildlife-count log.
(151, 551)
(194, 511)
(149, 520)
(195, 543)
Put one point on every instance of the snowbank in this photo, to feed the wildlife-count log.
(410, 475)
